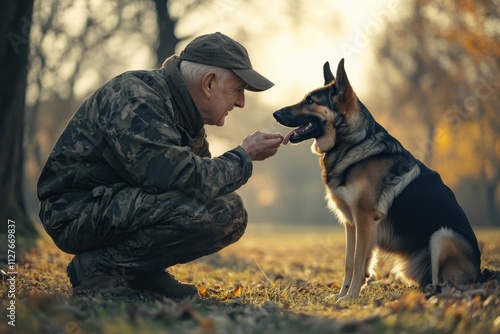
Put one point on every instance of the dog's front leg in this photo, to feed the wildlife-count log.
(350, 243)
(365, 228)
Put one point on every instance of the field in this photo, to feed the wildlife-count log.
(274, 280)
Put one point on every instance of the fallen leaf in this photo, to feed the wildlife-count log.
(203, 292)
(333, 286)
(237, 291)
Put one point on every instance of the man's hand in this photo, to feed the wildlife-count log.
(260, 146)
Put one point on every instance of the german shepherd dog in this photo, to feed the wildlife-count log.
(385, 198)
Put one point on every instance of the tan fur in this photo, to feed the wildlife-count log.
(355, 204)
(448, 251)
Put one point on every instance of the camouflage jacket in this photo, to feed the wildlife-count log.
(142, 128)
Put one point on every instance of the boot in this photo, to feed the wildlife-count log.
(89, 278)
(162, 283)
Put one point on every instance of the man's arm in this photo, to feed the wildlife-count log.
(147, 146)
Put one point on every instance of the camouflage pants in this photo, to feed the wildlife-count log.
(127, 227)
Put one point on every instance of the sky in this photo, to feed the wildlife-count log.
(291, 55)
(296, 56)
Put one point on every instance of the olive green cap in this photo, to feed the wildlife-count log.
(222, 51)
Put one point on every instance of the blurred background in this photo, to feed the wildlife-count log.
(427, 70)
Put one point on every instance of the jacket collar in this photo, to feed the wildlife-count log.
(184, 108)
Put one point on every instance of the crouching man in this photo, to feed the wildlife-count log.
(130, 186)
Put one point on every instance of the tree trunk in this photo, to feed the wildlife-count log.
(15, 21)
(166, 32)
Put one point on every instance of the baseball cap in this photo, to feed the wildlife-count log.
(219, 50)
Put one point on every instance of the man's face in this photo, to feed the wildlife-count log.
(224, 97)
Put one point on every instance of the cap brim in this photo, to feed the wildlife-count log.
(255, 81)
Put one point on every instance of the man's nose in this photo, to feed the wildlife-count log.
(240, 101)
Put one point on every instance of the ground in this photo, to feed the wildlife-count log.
(274, 280)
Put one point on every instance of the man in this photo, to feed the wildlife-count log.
(130, 186)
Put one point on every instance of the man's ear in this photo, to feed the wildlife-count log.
(207, 83)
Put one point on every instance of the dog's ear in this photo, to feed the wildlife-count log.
(347, 97)
(327, 73)
(342, 82)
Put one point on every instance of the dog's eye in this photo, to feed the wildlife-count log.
(309, 101)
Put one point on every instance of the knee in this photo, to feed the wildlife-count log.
(225, 215)
(229, 209)
(234, 202)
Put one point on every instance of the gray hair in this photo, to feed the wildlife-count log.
(193, 72)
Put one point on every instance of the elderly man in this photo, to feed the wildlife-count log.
(130, 186)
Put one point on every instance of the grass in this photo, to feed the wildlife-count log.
(274, 280)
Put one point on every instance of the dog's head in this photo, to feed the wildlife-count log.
(322, 113)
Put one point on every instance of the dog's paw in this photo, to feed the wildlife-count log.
(348, 298)
(334, 297)
(343, 299)
(339, 295)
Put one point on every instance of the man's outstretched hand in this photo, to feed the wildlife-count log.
(261, 146)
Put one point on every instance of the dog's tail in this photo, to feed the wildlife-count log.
(489, 275)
